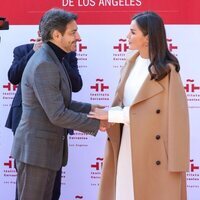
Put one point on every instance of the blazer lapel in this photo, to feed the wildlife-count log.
(63, 72)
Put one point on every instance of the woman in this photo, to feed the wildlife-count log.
(147, 151)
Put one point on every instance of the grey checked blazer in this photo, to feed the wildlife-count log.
(48, 110)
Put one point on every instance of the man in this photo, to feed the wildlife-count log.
(40, 142)
(22, 54)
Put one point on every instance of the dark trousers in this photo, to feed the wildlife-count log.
(56, 189)
(57, 185)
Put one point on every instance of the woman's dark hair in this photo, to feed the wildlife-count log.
(152, 25)
(54, 19)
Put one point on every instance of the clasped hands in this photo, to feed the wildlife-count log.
(98, 112)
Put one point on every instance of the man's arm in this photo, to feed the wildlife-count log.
(70, 62)
(21, 56)
(48, 93)
(80, 107)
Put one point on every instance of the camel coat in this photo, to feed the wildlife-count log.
(159, 140)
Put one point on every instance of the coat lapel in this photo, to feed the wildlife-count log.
(148, 89)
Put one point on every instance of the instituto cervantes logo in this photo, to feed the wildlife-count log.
(100, 90)
(82, 54)
(98, 165)
(8, 93)
(119, 53)
(80, 46)
(194, 174)
(9, 171)
(10, 87)
(99, 86)
(120, 50)
(192, 90)
(96, 169)
(191, 87)
(193, 166)
(10, 163)
(121, 46)
(172, 48)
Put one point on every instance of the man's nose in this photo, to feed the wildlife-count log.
(78, 37)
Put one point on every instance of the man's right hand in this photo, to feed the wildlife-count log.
(104, 124)
(38, 43)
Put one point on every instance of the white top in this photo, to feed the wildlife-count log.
(133, 84)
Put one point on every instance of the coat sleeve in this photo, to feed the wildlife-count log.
(80, 107)
(178, 125)
(21, 55)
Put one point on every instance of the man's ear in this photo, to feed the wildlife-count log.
(56, 35)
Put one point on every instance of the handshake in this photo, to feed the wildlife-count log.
(98, 112)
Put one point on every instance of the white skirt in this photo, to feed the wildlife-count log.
(124, 179)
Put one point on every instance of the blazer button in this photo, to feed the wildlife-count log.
(158, 162)
(157, 137)
(158, 111)
(108, 139)
(63, 137)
